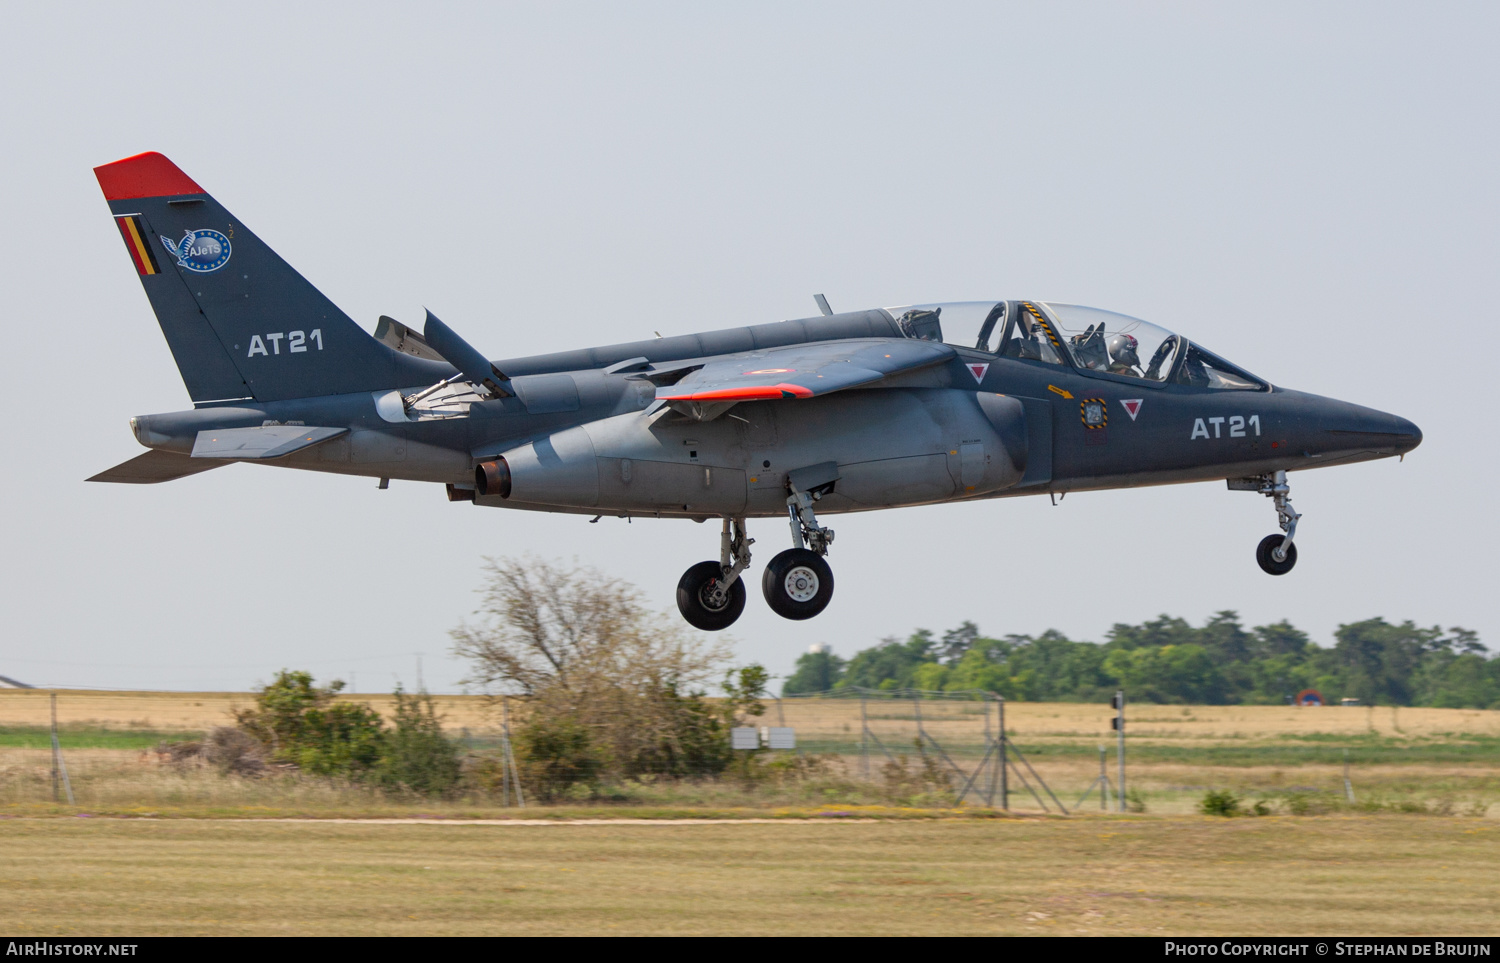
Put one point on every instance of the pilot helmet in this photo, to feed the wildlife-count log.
(1122, 350)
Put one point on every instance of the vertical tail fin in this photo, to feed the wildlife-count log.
(240, 321)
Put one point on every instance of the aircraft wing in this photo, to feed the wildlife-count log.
(802, 371)
(270, 441)
(156, 466)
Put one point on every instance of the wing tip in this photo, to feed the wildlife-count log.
(148, 174)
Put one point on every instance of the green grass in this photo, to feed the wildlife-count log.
(88, 737)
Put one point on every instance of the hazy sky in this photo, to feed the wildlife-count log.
(1308, 189)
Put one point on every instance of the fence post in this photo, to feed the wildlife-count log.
(56, 788)
(1120, 726)
(1004, 760)
(864, 734)
(58, 765)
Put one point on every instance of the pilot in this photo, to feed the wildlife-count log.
(1123, 359)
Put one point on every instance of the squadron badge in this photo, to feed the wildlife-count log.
(201, 251)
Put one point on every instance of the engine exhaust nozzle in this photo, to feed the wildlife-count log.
(492, 478)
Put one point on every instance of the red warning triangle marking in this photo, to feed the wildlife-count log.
(979, 370)
(1132, 406)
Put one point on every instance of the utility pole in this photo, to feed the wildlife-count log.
(1118, 723)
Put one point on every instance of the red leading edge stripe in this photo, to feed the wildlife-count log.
(758, 393)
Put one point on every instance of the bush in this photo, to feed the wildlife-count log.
(233, 751)
(417, 756)
(1219, 802)
(557, 753)
(299, 724)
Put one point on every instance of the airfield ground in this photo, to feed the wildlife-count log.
(1142, 875)
(150, 848)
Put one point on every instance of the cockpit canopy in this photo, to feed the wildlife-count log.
(1089, 339)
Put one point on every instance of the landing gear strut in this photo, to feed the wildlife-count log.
(798, 584)
(711, 595)
(1276, 553)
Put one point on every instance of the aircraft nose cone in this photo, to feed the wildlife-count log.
(1413, 435)
(1371, 426)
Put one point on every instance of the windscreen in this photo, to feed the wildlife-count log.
(1114, 343)
(955, 322)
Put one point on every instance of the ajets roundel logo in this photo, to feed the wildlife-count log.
(201, 251)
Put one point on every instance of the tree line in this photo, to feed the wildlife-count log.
(1168, 660)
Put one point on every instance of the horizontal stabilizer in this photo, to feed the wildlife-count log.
(394, 334)
(156, 466)
(270, 441)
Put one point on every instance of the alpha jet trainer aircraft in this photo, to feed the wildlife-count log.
(847, 412)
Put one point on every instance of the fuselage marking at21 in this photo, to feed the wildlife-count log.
(296, 342)
(1238, 425)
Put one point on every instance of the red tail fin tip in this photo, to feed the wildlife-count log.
(144, 175)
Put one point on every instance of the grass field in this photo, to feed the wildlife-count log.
(1387, 875)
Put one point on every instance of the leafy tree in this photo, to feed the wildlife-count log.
(612, 689)
(1170, 673)
(891, 664)
(956, 642)
(815, 672)
(1167, 659)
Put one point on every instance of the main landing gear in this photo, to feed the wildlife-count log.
(1276, 554)
(711, 595)
(798, 584)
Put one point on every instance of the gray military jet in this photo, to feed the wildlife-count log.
(844, 412)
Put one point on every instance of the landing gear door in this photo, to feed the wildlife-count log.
(1038, 442)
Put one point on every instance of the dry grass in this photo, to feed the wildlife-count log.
(193, 711)
(1187, 875)
(839, 720)
(836, 720)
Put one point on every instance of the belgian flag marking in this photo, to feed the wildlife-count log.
(135, 242)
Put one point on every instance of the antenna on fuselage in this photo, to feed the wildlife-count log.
(823, 305)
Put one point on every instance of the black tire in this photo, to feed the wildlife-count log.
(1268, 563)
(692, 598)
(797, 584)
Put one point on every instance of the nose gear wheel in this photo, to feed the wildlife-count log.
(1265, 555)
(1275, 554)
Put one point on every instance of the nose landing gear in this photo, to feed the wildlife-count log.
(1275, 554)
(711, 595)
